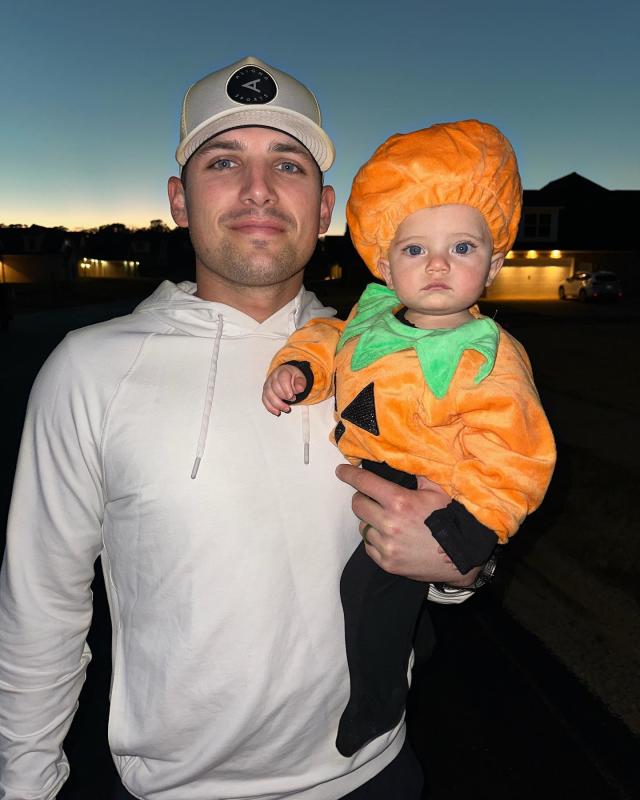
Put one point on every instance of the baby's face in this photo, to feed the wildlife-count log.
(439, 263)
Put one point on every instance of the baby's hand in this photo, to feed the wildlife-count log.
(283, 384)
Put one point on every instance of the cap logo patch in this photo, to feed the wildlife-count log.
(251, 85)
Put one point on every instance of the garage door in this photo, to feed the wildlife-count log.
(528, 282)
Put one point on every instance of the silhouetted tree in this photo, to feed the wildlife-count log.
(114, 227)
(158, 225)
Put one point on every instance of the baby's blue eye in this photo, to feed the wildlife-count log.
(462, 248)
(413, 250)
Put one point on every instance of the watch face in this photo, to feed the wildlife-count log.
(250, 85)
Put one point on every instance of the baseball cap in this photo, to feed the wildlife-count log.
(251, 92)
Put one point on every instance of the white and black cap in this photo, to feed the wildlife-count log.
(248, 93)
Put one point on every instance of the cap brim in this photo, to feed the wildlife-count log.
(283, 119)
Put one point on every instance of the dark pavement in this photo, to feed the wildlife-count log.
(495, 715)
(492, 715)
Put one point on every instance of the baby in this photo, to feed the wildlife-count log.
(424, 384)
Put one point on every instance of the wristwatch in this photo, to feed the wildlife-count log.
(445, 593)
(486, 574)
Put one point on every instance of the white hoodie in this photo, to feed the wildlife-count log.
(146, 443)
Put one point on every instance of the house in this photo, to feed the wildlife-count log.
(570, 225)
(38, 256)
(34, 254)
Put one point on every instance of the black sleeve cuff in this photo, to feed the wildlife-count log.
(467, 542)
(305, 367)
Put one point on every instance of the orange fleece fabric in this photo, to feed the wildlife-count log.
(488, 444)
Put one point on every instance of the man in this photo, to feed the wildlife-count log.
(222, 531)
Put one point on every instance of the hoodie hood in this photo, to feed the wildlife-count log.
(178, 306)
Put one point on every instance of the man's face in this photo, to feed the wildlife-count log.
(254, 206)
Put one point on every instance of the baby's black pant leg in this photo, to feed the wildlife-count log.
(380, 612)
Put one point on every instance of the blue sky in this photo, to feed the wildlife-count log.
(90, 92)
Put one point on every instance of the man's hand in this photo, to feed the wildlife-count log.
(397, 538)
(283, 384)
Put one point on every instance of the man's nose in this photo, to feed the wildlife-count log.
(258, 185)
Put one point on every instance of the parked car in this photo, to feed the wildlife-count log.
(601, 285)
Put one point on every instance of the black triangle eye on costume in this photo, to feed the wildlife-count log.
(362, 411)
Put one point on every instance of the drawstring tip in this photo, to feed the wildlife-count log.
(196, 467)
(306, 452)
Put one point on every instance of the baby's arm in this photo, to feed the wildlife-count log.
(311, 349)
(281, 387)
(509, 455)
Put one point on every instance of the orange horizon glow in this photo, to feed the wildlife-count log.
(52, 220)
(130, 219)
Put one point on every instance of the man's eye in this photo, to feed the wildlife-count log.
(289, 166)
(413, 250)
(462, 248)
(222, 163)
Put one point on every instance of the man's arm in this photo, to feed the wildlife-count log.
(398, 539)
(53, 539)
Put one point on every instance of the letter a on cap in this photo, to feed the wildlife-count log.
(251, 84)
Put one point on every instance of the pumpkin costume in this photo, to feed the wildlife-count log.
(457, 405)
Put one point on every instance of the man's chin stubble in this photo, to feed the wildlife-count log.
(258, 267)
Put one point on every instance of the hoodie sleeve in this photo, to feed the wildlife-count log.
(314, 344)
(509, 450)
(53, 539)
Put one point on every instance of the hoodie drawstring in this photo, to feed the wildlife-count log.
(304, 410)
(208, 399)
(306, 432)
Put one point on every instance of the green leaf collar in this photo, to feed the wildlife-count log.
(439, 350)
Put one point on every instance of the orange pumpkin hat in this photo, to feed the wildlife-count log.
(468, 163)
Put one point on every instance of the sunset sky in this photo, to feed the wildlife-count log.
(90, 92)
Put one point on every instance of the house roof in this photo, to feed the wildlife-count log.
(589, 216)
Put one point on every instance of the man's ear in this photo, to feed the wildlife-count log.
(497, 260)
(385, 271)
(327, 202)
(178, 202)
